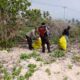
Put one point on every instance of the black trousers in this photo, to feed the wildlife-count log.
(45, 40)
(29, 41)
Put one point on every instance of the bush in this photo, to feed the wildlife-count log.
(25, 56)
(34, 54)
(39, 59)
(58, 53)
(7, 43)
(21, 78)
(7, 76)
(70, 66)
(54, 40)
(30, 71)
(76, 58)
(48, 71)
(16, 71)
(65, 78)
(32, 66)
(28, 74)
(74, 31)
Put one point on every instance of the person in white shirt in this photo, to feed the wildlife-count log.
(30, 36)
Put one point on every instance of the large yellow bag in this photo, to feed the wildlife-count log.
(37, 43)
(63, 43)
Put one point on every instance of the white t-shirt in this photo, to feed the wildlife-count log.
(31, 33)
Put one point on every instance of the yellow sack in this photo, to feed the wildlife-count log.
(37, 43)
(63, 43)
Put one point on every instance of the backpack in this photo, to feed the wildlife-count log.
(42, 31)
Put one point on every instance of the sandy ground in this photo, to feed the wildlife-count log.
(61, 69)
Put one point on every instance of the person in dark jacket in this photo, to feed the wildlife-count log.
(29, 42)
(66, 32)
(44, 37)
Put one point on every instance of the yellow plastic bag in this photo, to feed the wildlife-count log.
(63, 43)
(37, 43)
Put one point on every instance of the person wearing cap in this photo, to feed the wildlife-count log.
(30, 36)
(66, 32)
(43, 33)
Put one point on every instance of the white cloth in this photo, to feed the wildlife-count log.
(31, 33)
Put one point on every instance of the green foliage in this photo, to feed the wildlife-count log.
(46, 14)
(16, 71)
(18, 19)
(76, 58)
(34, 54)
(28, 74)
(32, 66)
(21, 78)
(25, 30)
(70, 66)
(72, 40)
(48, 71)
(46, 62)
(25, 56)
(58, 53)
(35, 17)
(1, 66)
(54, 39)
(7, 76)
(14, 6)
(65, 78)
(7, 43)
(39, 59)
(10, 10)
(79, 37)
(30, 71)
(74, 31)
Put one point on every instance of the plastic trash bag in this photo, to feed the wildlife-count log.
(37, 43)
(63, 43)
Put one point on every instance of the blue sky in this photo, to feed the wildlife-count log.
(56, 8)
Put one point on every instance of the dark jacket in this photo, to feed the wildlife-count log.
(66, 32)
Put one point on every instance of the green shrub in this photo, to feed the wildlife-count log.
(16, 71)
(39, 59)
(70, 66)
(65, 78)
(46, 62)
(48, 71)
(1, 66)
(25, 56)
(30, 71)
(28, 74)
(32, 66)
(54, 40)
(7, 76)
(21, 78)
(76, 58)
(34, 54)
(58, 53)
(8, 43)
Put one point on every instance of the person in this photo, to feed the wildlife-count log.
(29, 41)
(44, 37)
(30, 36)
(66, 32)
